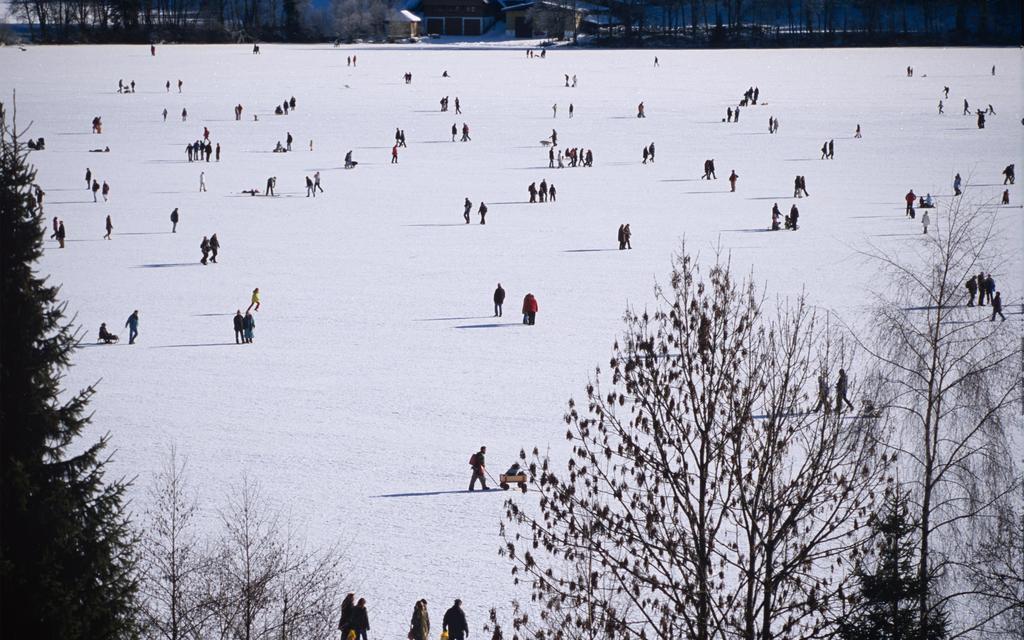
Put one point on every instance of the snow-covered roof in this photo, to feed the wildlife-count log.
(404, 15)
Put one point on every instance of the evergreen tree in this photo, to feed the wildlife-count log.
(886, 608)
(66, 559)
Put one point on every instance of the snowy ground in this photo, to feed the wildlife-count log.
(377, 369)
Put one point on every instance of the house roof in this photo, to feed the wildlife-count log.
(404, 15)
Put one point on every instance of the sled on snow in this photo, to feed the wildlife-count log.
(506, 481)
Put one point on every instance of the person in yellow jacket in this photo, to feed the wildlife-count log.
(255, 300)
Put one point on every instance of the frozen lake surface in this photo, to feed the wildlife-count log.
(377, 368)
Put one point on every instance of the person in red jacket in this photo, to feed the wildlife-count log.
(529, 309)
(910, 203)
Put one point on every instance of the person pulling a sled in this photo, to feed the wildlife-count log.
(478, 462)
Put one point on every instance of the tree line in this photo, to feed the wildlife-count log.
(635, 22)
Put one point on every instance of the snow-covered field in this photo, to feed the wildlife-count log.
(377, 368)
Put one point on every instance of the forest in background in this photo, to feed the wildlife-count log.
(653, 23)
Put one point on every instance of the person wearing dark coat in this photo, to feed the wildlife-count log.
(455, 622)
(842, 386)
(239, 327)
(214, 247)
(483, 213)
(533, 192)
(61, 234)
(972, 288)
(981, 288)
(622, 243)
(478, 461)
(467, 207)
(997, 307)
(499, 299)
(204, 246)
(174, 220)
(990, 288)
(345, 622)
(360, 620)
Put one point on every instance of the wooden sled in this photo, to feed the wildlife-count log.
(505, 481)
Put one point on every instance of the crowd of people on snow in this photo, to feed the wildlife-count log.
(575, 157)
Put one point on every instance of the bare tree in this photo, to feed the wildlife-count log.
(268, 582)
(701, 498)
(172, 559)
(806, 482)
(952, 380)
(251, 558)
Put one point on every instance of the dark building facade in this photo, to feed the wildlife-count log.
(459, 17)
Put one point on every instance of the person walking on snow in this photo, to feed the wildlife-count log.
(467, 207)
(925, 220)
(239, 324)
(499, 300)
(1008, 174)
(394, 154)
(106, 190)
(110, 228)
(254, 302)
(455, 622)
(823, 399)
(360, 620)
(133, 326)
(420, 624)
(479, 464)
(483, 213)
(910, 198)
(956, 185)
(842, 386)
(732, 180)
(214, 248)
(309, 187)
(271, 182)
(204, 246)
(455, 131)
(972, 288)
(316, 183)
(61, 234)
(989, 287)
(202, 181)
(529, 309)
(248, 324)
(997, 307)
(174, 220)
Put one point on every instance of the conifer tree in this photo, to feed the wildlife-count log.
(66, 559)
(886, 607)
